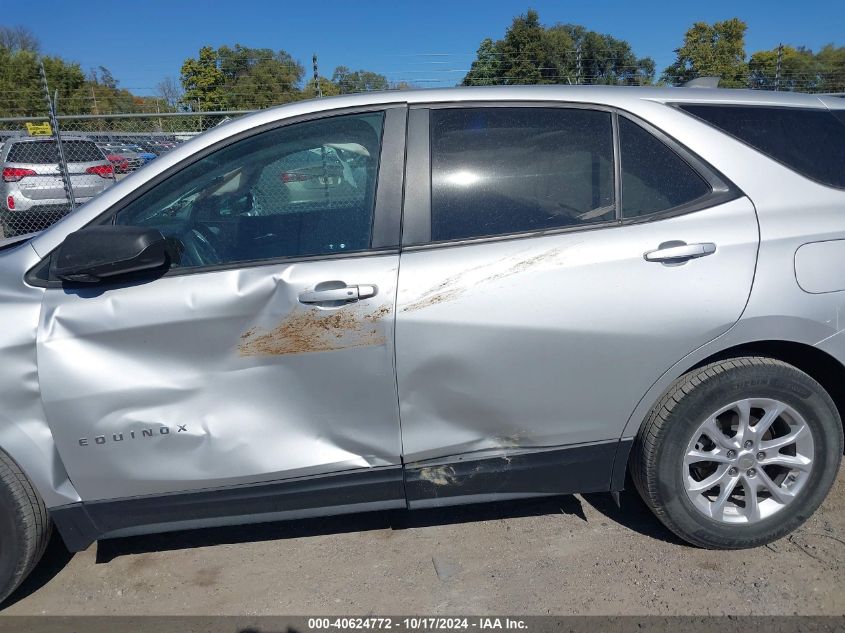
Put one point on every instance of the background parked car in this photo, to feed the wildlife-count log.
(145, 154)
(119, 163)
(155, 147)
(33, 192)
(126, 158)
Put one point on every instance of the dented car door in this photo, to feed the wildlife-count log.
(532, 315)
(266, 353)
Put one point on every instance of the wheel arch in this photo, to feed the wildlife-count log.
(817, 363)
(37, 457)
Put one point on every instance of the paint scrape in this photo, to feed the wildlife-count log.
(438, 475)
(454, 286)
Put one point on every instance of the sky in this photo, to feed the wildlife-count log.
(430, 42)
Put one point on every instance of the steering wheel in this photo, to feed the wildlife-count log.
(199, 249)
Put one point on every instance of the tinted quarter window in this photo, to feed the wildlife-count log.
(299, 190)
(811, 142)
(45, 153)
(654, 178)
(507, 170)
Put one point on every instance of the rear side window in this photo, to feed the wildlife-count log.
(44, 152)
(811, 142)
(654, 178)
(497, 171)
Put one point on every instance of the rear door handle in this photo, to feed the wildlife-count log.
(347, 294)
(676, 252)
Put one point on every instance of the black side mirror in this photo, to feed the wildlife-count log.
(101, 253)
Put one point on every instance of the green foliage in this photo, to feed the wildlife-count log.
(20, 83)
(239, 78)
(327, 87)
(533, 54)
(358, 81)
(712, 50)
(202, 81)
(487, 68)
(799, 68)
(831, 61)
(258, 77)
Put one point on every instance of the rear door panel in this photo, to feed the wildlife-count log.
(546, 341)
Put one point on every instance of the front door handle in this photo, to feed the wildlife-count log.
(346, 294)
(677, 252)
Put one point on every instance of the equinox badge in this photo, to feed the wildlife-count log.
(132, 435)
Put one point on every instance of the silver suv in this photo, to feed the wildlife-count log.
(552, 288)
(33, 192)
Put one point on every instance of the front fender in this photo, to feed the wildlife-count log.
(24, 433)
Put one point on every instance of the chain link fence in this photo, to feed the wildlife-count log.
(51, 167)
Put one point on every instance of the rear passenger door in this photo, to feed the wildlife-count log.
(556, 261)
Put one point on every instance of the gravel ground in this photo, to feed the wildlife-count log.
(567, 555)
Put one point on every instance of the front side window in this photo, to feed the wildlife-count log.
(506, 170)
(654, 177)
(299, 190)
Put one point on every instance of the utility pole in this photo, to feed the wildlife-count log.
(316, 77)
(54, 124)
(578, 63)
(778, 66)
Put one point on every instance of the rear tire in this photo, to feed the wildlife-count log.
(25, 526)
(705, 431)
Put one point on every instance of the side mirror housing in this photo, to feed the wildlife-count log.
(101, 253)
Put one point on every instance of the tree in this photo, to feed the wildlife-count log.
(711, 50)
(20, 83)
(327, 87)
(358, 81)
(604, 59)
(485, 70)
(523, 51)
(18, 38)
(831, 65)
(99, 94)
(258, 77)
(170, 92)
(563, 53)
(799, 70)
(239, 77)
(203, 80)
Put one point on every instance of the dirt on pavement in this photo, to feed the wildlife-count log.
(563, 555)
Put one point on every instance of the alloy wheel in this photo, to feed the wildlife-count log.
(748, 460)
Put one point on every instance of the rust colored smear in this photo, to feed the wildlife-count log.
(378, 314)
(315, 331)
